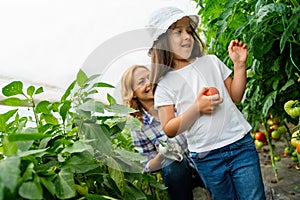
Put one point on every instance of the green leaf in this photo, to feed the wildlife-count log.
(266, 10)
(50, 119)
(101, 84)
(68, 91)
(63, 111)
(37, 153)
(115, 173)
(93, 106)
(81, 78)
(13, 101)
(111, 99)
(153, 182)
(100, 135)
(39, 90)
(78, 147)
(43, 107)
(133, 123)
(289, 83)
(131, 192)
(30, 90)
(28, 174)
(268, 103)
(64, 184)
(48, 184)
(294, 23)
(13, 88)
(119, 109)
(82, 162)
(9, 148)
(27, 136)
(10, 172)
(31, 190)
(4, 118)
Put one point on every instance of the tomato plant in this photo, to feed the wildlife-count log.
(211, 91)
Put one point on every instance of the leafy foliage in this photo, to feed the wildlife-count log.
(272, 33)
(77, 148)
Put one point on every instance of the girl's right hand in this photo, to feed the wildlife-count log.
(207, 104)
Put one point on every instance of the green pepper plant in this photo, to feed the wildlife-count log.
(75, 148)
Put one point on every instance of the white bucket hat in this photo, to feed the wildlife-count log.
(163, 18)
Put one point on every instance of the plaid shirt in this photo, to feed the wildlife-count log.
(146, 140)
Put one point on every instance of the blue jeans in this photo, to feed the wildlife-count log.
(181, 179)
(232, 172)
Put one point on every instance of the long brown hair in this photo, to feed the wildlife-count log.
(127, 92)
(162, 59)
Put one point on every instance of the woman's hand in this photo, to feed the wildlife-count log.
(238, 53)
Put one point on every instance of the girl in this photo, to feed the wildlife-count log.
(180, 177)
(217, 133)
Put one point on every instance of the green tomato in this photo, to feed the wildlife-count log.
(287, 151)
(292, 108)
(294, 153)
(258, 143)
(276, 134)
(294, 158)
(277, 158)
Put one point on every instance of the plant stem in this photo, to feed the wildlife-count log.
(271, 151)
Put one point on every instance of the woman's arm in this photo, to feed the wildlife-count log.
(155, 163)
(236, 86)
(173, 126)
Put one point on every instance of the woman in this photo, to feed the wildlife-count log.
(179, 176)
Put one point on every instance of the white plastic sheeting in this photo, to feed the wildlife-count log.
(45, 42)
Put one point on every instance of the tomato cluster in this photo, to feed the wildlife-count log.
(260, 139)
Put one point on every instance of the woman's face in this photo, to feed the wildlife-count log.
(181, 40)
(141, 85)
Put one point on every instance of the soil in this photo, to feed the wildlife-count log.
(288, 185)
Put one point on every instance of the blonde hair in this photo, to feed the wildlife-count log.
(127, 91)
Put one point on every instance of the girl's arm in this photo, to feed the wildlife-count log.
(236, 86)
(173, 125)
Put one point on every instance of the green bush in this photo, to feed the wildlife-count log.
(78, 148)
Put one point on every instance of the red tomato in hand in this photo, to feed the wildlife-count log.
(211, 91)
(260, 136)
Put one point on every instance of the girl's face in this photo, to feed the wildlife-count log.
(180, 39)
(141, 85)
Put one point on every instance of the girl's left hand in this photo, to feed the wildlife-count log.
(238, 52)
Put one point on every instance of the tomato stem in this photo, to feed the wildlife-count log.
(274, 166)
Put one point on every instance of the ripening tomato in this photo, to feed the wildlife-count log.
(260, 136)
(211, 91)
(298, 148)
(295, 138)
(287, 151)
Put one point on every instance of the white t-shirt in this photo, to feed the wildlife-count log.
(180, 88)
